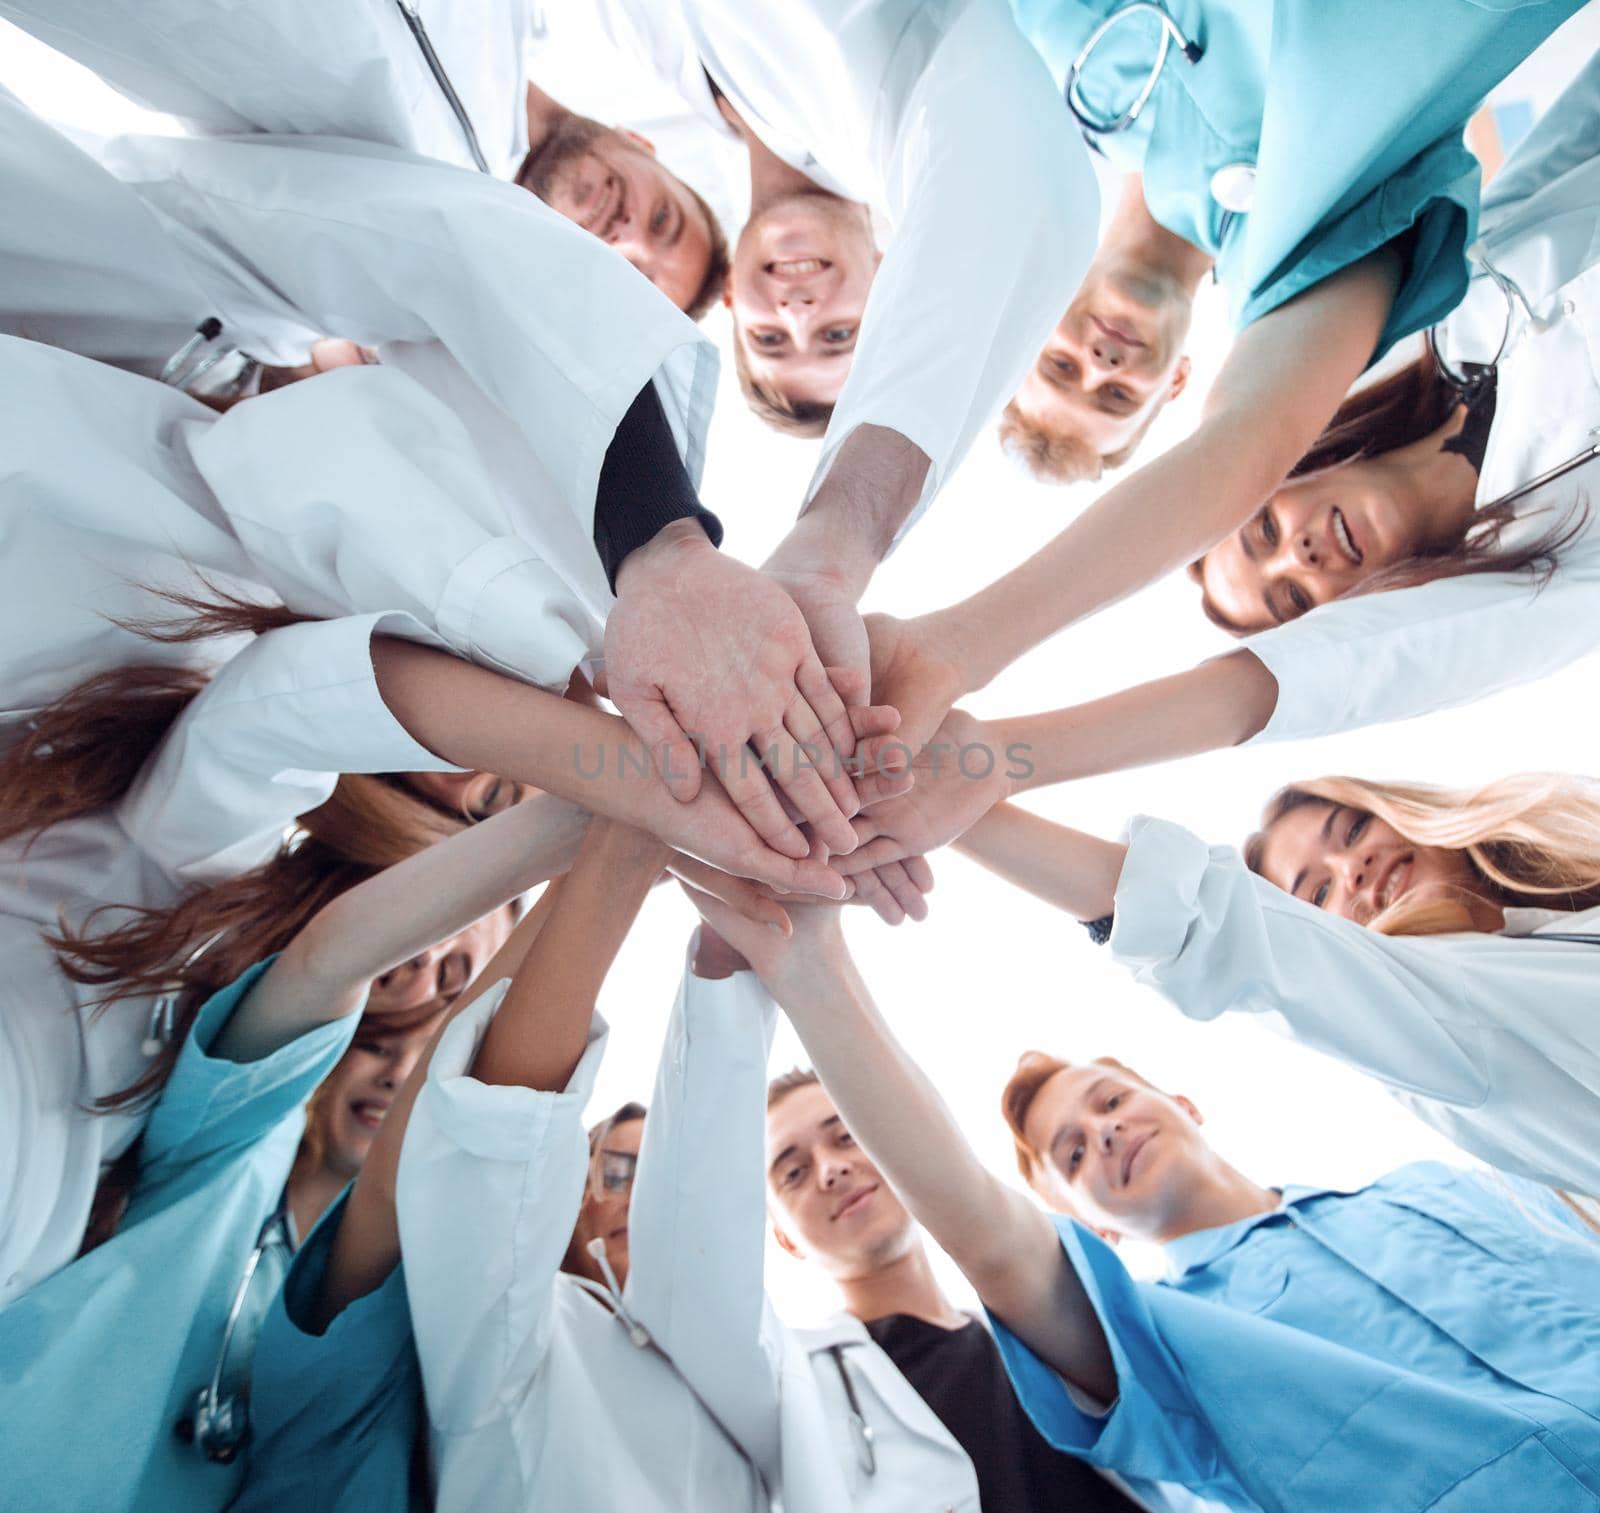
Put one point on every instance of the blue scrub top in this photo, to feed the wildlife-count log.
(1351, 117)
(1431, 1341)
(99, 1361)
(335, 1415)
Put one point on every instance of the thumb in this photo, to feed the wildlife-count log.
(674, 756)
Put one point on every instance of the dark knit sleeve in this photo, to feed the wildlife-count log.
(643, 486)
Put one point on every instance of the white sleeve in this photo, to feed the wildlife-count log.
(697, 1221)
(359, 491)
(1389, 656)
(996, 220)
(1195, 924)
(265, 741)
(552, 326)
(488, 1190)
(348, 70)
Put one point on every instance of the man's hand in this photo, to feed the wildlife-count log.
(829, 606)
(960, 775)
(702, 647)
(808, 960)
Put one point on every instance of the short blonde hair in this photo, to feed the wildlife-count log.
(1060, 456)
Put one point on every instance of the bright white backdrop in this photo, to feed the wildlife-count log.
(992, 972)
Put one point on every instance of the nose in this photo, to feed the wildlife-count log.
(1356, 870)
(398, 1069)
(830, 1171)
(1108, 1134)
(1106, 351)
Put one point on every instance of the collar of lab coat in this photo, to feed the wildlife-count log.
(1532, 921)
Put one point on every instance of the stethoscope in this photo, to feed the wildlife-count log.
(1468, 387)
(218, 1422)
(1095, 125)
(199, 354)
(861, 1435)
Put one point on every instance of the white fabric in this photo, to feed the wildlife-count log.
(1381, 657)
(265, 741)
(1491, 1039)
(531, 330)
(939, 117)
(351, 69)
(321, 493)
(536, 1395)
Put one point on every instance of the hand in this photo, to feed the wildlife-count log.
(749, 898)
(702, 645)
(813, 955)
(829, 606)
(895, 890)
(917, 670)
(713, 957)
(959, 775)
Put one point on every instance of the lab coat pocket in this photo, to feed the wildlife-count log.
(1247, 1285)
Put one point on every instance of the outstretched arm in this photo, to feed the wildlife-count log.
(1075, 872)
(325, 971)
(1280, 385)
(1006, 1246)
(558, 957)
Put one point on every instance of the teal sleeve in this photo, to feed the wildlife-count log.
(211, 1105)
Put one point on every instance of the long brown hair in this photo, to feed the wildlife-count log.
(1393, 412)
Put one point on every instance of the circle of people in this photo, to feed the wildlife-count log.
(360, 584)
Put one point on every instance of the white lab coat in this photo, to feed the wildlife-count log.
(1494, 1040)
(318, 495)
(536, 335)
(537, 1394)
(940, 117)
(1382, 657)
(264, 742)
(351, 70)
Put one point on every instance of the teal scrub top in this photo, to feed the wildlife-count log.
(99, 1361)
(1350, 117)
(335, 1416)
(1427, 1342)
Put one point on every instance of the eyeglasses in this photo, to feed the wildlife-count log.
(615, 1171)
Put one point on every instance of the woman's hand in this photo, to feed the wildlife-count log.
(810, 959)
(960, 775)
(918, 668)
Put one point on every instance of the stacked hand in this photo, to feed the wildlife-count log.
(708, 658)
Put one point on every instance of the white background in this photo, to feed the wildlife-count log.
(993, 972)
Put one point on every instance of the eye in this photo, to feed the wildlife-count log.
(791, 1175)
(1357, 827)
(658, 222)
(1121, 395)
(846, 1138)
(1319, 896)
(489, 803)
(1064, 366)
(1113, 1100)
(1269, 528)
(1298, 601)
(767, 339)
(1074, 1158)
(370, 1047)
(839, 333)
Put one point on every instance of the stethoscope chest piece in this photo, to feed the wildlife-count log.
(1233, 186)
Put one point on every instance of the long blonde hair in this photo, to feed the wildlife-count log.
(1532, 839)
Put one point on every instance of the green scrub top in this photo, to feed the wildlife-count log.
(1308, 134)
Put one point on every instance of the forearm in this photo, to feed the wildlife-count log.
(1217, 704)
(324, 972)
(853, 518)
(1157, 521)
(1075, 872)
(539, 1032)
(481, 719)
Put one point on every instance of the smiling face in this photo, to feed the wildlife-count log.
(351, 1103)
(610, 183)
(1310, 542)
(1356, 865)
(829, 1202)
(801, 274)
(473, 795)
(607, 1195)
(1112, 361)
(1115, 1150)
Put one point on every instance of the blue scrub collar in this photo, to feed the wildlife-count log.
(1204, 1246)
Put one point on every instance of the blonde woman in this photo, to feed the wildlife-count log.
(1445, 942)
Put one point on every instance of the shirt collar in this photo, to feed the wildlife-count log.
(1526, 921)
(1203, 1246)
